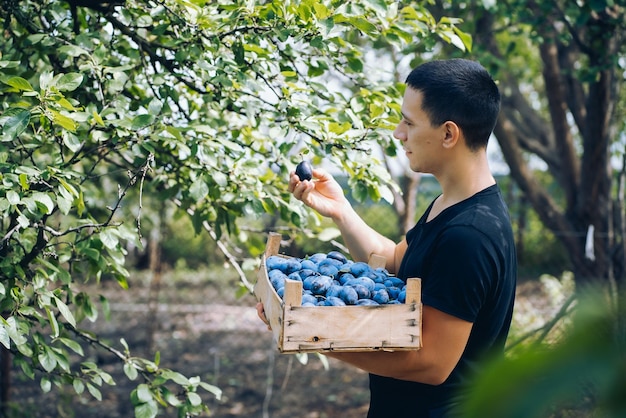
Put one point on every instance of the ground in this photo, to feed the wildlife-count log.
(201, 331)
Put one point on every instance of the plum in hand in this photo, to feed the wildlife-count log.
(304, 171)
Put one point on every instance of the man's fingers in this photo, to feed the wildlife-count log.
(261, 313)
(293, 181)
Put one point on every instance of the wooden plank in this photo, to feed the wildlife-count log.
(352, 328)
(272, 304)
(293, 293)
(377, 261)
(414, 291)
(273, 244)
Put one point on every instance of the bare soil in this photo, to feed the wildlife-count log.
(199, 331)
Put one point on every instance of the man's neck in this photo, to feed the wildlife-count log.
(461, 184)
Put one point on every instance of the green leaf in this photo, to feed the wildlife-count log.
(65, 311)
(106, 307)
(27, 370)
(239, 53)
(363, 25)
(45, 384)
(97, 118)
(44, 200)
(53, 322)
(63, 121)
(69, 82)
(10, 325)
(465, 38)
(124, 344)
(4, 337)
(79, 386)
(94, 391)
(170, 398)
(155, 107)
(72, 142)
(47, 359)
(64, 204)
(45, 79)
(65, 104)
(355, 64)
(198, 190)
(175, 377)
(73, 345)
(217, 392)
(80, 204)
(19, 83)
(130, 370)
(24, 182)
(109, 238)
(143, 393)
(61, 358)
(142, 121)
(15, 122)
(194, 398)
(72, 50)
(13, 197)
(146, 410)
(339, 128)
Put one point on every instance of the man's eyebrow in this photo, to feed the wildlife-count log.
(404, 116)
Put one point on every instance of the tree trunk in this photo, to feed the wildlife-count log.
(409, 183)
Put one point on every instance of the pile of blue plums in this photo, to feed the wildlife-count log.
(331, 279)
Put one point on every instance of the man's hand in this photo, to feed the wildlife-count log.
(261, 312)
(323, 193)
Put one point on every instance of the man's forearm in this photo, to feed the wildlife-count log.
(361, 239)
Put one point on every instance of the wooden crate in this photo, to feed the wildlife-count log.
(299, 329)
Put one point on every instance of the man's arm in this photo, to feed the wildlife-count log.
(444, 338)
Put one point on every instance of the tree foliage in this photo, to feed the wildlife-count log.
(205, 104)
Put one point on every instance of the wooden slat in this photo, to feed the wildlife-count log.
(352, 328)
(293, 293)
(272, 305)
(377, 261)
(273, 244)
(414, 291)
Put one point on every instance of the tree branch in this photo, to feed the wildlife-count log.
(231, 259)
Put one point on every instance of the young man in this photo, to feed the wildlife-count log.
(462, 247)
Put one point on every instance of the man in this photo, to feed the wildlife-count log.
(462, 247)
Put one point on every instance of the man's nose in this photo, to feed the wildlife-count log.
(399, 133)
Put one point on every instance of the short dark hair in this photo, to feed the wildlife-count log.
(461, 91)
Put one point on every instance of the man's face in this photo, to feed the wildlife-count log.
(421, 141)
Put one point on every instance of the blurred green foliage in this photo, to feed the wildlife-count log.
(582, 374)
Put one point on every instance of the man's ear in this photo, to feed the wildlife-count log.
(452, 134)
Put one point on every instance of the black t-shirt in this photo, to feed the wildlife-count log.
(466, 259)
